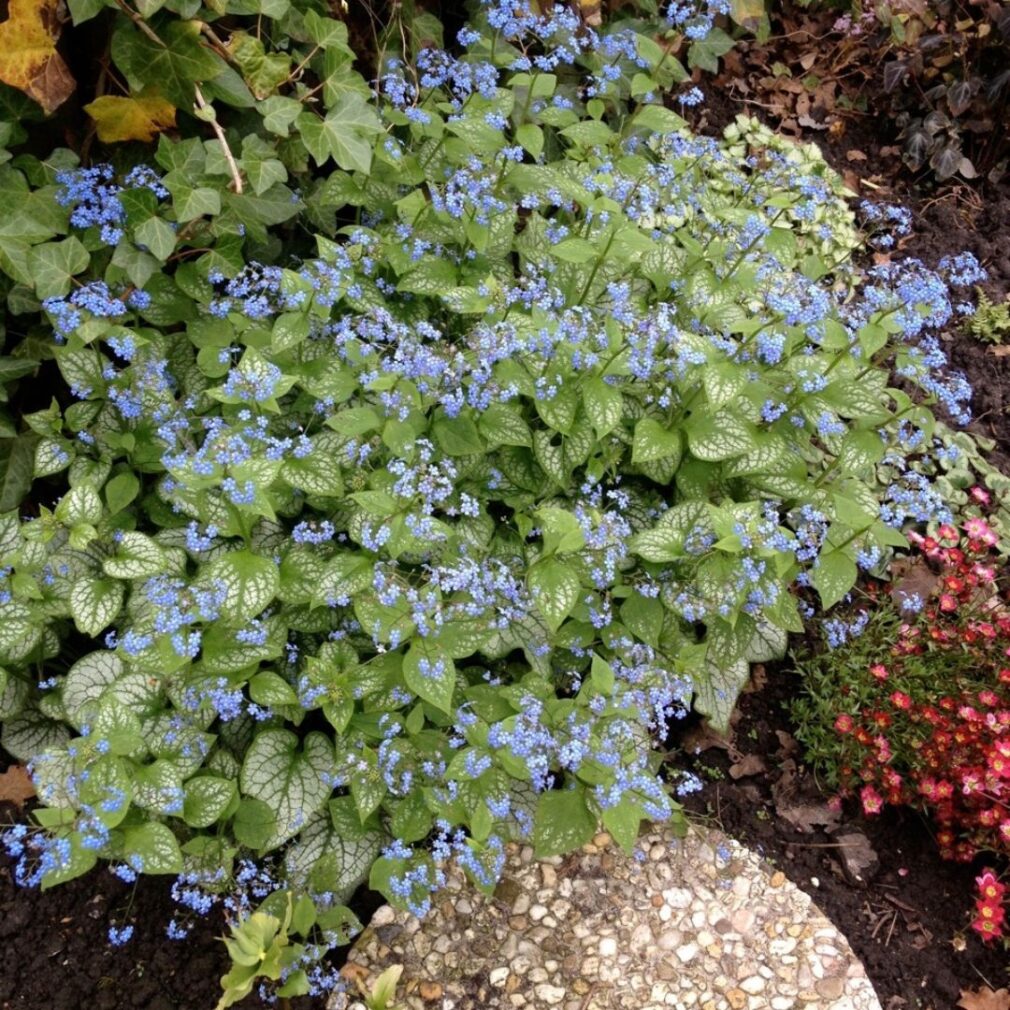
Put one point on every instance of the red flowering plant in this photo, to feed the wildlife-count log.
(915, 709)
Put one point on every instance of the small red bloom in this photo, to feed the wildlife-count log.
(901, 700)
(872, 801)
(844, 723)
(880, 671)
(948, 603)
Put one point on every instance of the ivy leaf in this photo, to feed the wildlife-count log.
(54, 265)
(345, 133)
(172, 68)
(134, 117)
(28, 57)
(294, 783)
(562, 823)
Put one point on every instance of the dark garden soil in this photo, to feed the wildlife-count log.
(54, 954)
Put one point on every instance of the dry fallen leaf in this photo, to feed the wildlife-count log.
(855, 155)
(749, 764)
(137, 117)
(999, 352)
(984, 999)
(28, 57)
(16, 786)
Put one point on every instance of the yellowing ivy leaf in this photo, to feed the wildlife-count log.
(28, 57)
(137, 117)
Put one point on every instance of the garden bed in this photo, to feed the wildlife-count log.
(309, 763)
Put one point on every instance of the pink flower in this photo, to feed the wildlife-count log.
(980, 495)
(872, 801)
(844, 723)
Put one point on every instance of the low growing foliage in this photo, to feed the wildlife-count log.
(422, 452)
(916, 709)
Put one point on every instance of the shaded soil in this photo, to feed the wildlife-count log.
(907, 919)
(54, 954)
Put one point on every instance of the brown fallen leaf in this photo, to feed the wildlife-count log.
(28, 57)
(984, 999)
(855, 155)
(16, 786)
(911, 577)
(999, 352)
(749, 764)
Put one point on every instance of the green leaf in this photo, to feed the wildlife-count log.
(254, 823)
(207, 798)
(555, 586)
(269, 688)
(653, 441)
(29, 734)
(120, 491)
(503, 424)
(716, 688)
(345, 133)
(718, 436)
(294, 783)
(55, 264)
(157, 236)
(136, 557)
(430, 673)
(604, 406)
(562, 823)
(174, 67)
(16, 469)
(833, 576)
(623, 822)
(665, 541)
(154, 847)
(88, 678)
(575, 250)
(250, 582)
(457, 436)
(94, 604)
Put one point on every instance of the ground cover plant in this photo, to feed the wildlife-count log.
(423, 447)
(916, 709)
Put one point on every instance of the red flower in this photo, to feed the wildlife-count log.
(872, 801)
(880, 671)
(901, 700)
(844, 723)
(948, 603)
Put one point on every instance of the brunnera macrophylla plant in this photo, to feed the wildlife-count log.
(915, 709)
(401, 531)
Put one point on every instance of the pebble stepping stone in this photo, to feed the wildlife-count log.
(701, 923)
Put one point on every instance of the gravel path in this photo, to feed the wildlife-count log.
(700, 922)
